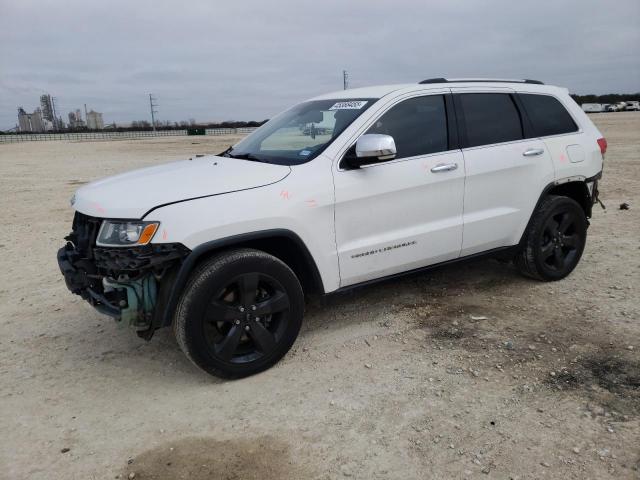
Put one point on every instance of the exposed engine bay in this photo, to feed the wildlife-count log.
(124, 283)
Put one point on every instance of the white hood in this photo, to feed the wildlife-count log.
(132, 194)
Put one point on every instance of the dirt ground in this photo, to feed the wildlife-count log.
(470, 371)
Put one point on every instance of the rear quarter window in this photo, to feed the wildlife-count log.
(547, 115)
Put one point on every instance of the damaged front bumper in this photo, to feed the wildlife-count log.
(125, 283)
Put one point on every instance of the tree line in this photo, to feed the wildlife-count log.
(608, 98)
(144, 125)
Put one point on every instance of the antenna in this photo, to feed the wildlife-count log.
(345, 79)
(152, 99)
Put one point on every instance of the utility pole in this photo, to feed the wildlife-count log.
(345, 79)
(153, 112)
(86, 118)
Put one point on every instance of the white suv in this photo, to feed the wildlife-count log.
(341, 190)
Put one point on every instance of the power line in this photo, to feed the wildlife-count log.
(153, 112)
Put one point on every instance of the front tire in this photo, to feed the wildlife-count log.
(239, 314)
(554, 240)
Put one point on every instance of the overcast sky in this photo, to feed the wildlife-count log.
(247, 60)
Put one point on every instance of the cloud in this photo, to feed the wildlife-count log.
(251, 59)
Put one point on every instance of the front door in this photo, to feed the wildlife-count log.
(405, 213)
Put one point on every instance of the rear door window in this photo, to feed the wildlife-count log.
(417, 125)
(490, 118)
(548, 116)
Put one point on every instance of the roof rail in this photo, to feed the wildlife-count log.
(487, 80)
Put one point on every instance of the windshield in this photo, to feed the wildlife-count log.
(301, 133)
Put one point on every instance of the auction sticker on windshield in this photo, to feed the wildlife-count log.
(352, 105)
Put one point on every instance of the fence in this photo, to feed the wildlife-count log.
(88, 136)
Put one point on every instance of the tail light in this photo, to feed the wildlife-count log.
(602, 143)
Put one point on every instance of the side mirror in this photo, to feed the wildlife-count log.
(372, 148)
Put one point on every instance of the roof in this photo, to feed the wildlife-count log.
(481, 80)
(435, 83)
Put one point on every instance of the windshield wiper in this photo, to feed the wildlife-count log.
(241, 156)
(246, 156)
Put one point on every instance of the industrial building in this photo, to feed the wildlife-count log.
(32, 122)
(47, 107)
(94, 120)
(75, 119)
(45, 118)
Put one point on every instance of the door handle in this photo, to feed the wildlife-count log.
(444, 167)
(533, 152)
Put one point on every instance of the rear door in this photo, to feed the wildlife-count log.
(505, 171)
(553, 124)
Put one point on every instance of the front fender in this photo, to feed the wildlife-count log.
(178, 280)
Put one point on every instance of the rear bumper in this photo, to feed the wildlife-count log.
(592, 187)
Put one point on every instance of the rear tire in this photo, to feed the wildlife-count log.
(554, 240)
(239, 314)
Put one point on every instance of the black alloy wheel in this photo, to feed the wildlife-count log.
(245, 320)
(560, 241)
(239, 314)
(554, 240)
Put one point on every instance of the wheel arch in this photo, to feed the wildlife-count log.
(281, 243)
(574, 189)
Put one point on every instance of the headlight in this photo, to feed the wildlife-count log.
(115, 233)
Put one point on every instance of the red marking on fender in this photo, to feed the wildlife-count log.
(284, 194)
(98, 207)
(563, 159)
(164, 234)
